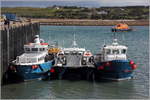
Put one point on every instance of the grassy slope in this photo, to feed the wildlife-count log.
(81, 13)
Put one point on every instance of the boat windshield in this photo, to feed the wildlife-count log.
(115, 51)
(27, 49)
(42, 49)
(123, 51)
(108, 51)
(34, 49)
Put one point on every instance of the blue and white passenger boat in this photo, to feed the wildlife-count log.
(112, 62)
(34, 63)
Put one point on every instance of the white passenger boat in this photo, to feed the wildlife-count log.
(34, 63)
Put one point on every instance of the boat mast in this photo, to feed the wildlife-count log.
(74, 45)
(115, 42)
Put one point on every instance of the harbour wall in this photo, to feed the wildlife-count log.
(12, 40)
(86, 22)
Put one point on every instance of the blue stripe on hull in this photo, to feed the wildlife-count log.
(28, 73)
(120, 30)
(118, 69)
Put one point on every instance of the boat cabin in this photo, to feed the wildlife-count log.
(74, 49)
(33, 48)
(34, 53)
(37, 46)
(79, 51)
(121, 26)
(30, 59)
(114, 52)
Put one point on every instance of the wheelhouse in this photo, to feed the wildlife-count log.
(34, 53)
(114, 52)
(33, 48)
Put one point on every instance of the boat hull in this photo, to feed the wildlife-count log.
(32, 72)
(114, 70)
(120, 30)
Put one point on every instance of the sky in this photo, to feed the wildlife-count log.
(102, 2)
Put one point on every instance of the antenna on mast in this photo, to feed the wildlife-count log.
(115, 42)
(74, 42)
(104, 42)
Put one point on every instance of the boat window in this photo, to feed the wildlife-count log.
(116, 51)
(34, 49)
(17, 59)
(108, 51)
(60, 54)
(27, 49)
(123, 51)
(41, 58)
(80, 53)
(66, 53)
(42, 49)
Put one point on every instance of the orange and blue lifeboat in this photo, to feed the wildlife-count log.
(121, 27)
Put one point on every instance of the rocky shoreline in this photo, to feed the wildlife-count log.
(87, 22)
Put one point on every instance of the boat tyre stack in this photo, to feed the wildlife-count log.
(83, 62)
(91, 60)
(64, 60)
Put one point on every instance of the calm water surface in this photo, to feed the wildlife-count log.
(90, 37)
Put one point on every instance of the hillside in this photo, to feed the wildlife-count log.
(62, 12)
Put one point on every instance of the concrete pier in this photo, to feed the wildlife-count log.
(12, 40)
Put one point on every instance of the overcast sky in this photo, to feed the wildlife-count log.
(103, 2)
